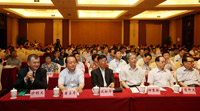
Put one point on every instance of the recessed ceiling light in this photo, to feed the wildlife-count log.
(180, 3)
(161, 14)
(108, 2)
(36, 13)
(100, 13)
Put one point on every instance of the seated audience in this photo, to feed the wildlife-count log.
(159, 76)
(31, 77)
(102, 76)
(187, 76)
(71, 77)
(13, 60)
(57, 58)
(49, 65)
(144, 62)
(131, 75)
(117, 63)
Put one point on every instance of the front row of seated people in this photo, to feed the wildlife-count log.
(130, 75)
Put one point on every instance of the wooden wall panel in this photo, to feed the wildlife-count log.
(48, 28)
(65, 25)
(96, 32)
(142, 29)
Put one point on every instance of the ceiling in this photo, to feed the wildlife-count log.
(100, 9)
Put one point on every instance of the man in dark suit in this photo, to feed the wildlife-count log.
(31, 77)
(102, 76)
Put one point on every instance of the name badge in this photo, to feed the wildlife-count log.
(37, 93)
(50, 74)
(69, 94)
(106, 91)
(153, 90)
(189, 90)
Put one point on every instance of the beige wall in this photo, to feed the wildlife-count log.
(36, 31)
(153, 34)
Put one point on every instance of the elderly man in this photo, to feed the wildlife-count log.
(71, 77)
(160, 76)
(131, 75)
(187, 76)
(31, 77)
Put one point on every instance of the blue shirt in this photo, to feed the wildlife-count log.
(71, 79)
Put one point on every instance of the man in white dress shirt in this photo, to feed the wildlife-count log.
(159, 76)
(179, 56)
(117, 63)
(71, 77)
(187, 76)
(131, 75)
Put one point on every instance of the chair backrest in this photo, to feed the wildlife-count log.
(172, 58)
(175, 77)
(177, 64)
(59, 68)
(196, 63)
(1, 68)
(64, 62)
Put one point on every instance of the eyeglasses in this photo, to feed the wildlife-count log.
(190, 61)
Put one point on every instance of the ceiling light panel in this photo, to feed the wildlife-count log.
(108, 2)
(36, 13)
(162, 14)
(100, 14)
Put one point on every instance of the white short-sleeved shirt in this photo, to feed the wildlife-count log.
(81, 66)
(177, 58)
(198, 64)
(188, 77)
(71, 79)
(132, 76)
(116, 65)
(160, 78)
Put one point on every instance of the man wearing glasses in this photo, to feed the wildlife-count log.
(187, 76)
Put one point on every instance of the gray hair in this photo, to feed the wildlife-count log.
(130, 54)
(32, 55)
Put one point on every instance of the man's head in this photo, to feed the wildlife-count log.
(154, 50)
(147, 58)
(188, 62)
(56, 53)
(94, 57)
(122, 49)
(132, 58)
(13, 53)
(102, 61)
(112, 52)
(33, 61)
(166, 54)
(47, 57)
(105, 51)
(181, 52)
(93, 51)
(160, 62)
(71, 63)
(118, 54)
(77, 56)
(141, 52)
